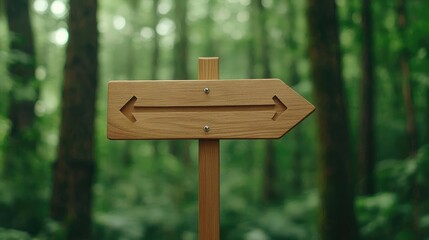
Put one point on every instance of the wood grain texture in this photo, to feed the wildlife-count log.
(209, 189)
(209, 169)
(234, 109)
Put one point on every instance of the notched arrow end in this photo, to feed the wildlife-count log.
(128, 109)
(279, 107)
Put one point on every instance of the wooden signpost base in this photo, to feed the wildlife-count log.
(208, 168)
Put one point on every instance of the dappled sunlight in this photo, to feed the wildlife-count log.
(165, 27)
(40, 6)
(58, 8)
(119, 22)
(59, 37)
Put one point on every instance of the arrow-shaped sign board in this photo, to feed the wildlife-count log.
(203, 109)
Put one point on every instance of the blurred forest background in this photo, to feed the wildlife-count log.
(358, 168)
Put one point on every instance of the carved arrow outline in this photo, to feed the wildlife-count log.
(130, 108)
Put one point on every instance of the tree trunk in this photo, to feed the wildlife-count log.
(254, 54)
(25, 91)
(209, 42)
(74, 169)
(427, 114)
(337, 217)
(269, 191)
(297, 183)
(292, 45)
(407, 93)
(21, 162)
(366, 141)
(181, 41)
(133, 18)
(265, 46)
(127, 158)
(181, 148)
(155, 48)
(155, 63)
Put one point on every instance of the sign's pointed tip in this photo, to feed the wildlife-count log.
(311, 108)
(128, 108)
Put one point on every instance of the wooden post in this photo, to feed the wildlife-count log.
(208, 167)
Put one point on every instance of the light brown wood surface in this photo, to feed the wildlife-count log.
(209, 190)
(208, 169)
(233, 109)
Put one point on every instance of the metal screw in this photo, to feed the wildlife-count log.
(206, 129)
(207, 90)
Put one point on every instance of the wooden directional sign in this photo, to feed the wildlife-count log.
(203, 109)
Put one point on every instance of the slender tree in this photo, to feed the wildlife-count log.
(337, 217)
(181, 149)
(265, 44)
(155, 47)
(427, 114)
(209, 41)
(259, 66)
(71, 201)
(366, 140)
(251, 42)
(407, 91)
(127, 157)
(26, 90)
(269, 191)
(133, 19)
(294, 77)
(21, 169)
(181, 40)
(155, 58)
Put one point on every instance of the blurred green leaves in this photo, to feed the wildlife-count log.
(155, 195)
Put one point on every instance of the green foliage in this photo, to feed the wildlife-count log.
(388, 213)
(10, 234)
(376, 214)
(145, 191)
